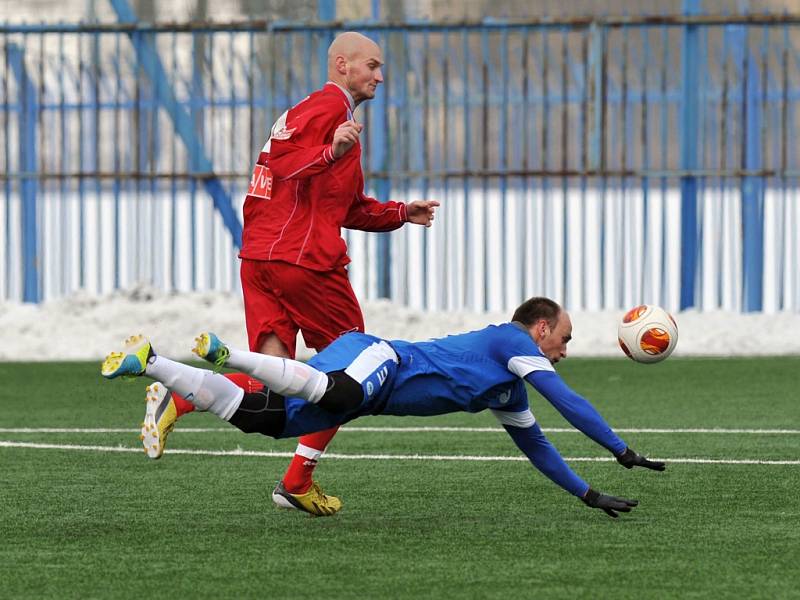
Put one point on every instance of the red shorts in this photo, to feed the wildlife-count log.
(283, 299)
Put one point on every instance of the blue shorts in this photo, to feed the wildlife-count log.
(368, 360)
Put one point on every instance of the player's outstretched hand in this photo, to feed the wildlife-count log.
(610, 504)
(421, 212)
(630, 459)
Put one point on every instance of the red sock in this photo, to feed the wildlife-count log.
(247, 383)
(182, 406)
(298, 477)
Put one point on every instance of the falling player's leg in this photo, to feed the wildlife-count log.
(237, 398)
(164, 407)
(206, 390)
(282, 375)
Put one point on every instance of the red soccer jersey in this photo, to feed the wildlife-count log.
(300, 196)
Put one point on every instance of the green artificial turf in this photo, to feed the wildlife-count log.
(101, 524)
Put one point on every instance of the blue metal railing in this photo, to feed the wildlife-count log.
(114, 135)
(28, 109)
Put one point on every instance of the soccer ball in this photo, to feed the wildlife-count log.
(647, 334)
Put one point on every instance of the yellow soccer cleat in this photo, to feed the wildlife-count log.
(131, 362)
(159, 419)
(314, 501)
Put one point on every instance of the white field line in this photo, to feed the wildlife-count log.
(403, 430)
(424, 457)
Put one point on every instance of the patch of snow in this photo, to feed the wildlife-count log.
(85, 327)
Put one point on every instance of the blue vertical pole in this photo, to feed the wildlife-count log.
(502, 160)
(326, 11)
(94, 133)
(688, 128)
(647, 250)
(117, 160)
(753, 193)
(28, 165)
(469, 276)
(664, 152)
(596, 54)
(197, 106)
(379, 155)
(596, 154)
(173, 242)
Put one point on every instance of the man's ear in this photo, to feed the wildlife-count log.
(544, 327)
(540, 329)
(341, 64)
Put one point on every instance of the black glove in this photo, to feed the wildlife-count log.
(610, 504)
(630, 459)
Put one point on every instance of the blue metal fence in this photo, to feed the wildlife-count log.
(601, 161)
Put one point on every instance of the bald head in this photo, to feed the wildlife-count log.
(351, 45)
(354, 62)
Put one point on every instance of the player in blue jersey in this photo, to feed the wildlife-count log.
(359, 374)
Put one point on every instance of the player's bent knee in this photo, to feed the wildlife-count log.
(343, 394)
(261, 412)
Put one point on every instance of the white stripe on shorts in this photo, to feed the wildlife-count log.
(369, 360)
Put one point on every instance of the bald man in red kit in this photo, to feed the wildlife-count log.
(306, 185)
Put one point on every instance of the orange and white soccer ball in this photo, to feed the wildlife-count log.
(647, 334)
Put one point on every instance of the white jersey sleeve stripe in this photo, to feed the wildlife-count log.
(523, 365)
(522, 419)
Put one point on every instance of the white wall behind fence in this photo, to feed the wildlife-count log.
(589, 248)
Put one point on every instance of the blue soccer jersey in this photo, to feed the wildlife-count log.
(467, 372)
(470, 372)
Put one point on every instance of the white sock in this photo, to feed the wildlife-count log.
(282, 375)
(204, 389)
(224, 395)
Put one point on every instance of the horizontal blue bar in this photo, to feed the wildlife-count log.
(422, 25)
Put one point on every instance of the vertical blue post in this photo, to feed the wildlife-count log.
(94, 133)
(378, 146)
(326, 11)
(469, 276)
(502, 160)
(753, 193)
(595, 124)
(596, 92)
(688, 128)
(197, 106)
(28, 165)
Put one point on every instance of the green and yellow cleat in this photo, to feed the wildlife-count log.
(132, 361)
(314, 501)
(209, 347)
